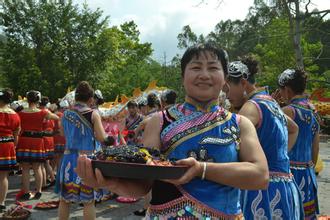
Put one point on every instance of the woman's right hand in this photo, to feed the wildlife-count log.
(85, 171)
(123, 187)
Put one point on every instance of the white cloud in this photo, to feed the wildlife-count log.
(160, 21)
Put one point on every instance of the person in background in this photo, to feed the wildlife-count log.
(81, 126)
(132, 121)
(30, 148)
(277, 133)
(9, 130)
(168, 98)
(304, 153)
(47, 170)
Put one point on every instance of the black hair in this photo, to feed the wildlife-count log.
(298, 83)
(169, 96)
(198, 49)
(6, 95)
(33, 96)
(98, 97)
(44, 101)
(132, 104)
(152, 100)
(83, 92)
(253, 66)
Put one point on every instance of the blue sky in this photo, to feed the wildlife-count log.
(160, 21)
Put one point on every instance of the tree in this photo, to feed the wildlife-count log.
(293, 10)
(50, 45)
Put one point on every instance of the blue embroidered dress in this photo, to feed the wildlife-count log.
(281, 200)
(79, 136)
(208, 136)
(300, 155)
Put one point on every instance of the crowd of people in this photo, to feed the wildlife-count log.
(252, 159)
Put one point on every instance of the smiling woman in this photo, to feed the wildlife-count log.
(220, 149)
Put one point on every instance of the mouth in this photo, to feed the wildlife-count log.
(203, 85)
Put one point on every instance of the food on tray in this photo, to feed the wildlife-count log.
(133, 154)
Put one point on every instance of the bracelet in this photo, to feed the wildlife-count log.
(204, 170)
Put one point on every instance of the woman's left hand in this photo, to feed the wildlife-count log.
(194, 169)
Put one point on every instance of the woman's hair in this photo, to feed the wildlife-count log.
(83, 92)
(132, 104)
(197, 50)
(33, 96)
(44, 101)
(169, 96)
(152, 100)
(237, 71)
(6, 95)
(295, 79)
(98, 97)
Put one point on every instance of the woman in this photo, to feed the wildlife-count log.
(81, 126)
(48, 137)
(9, 129)
(221, 149)
(30, 147)
(303, 155)
(276, 133)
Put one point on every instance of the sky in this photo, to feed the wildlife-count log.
(160, 21)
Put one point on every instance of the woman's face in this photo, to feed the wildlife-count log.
(236, 94)
(203, 77)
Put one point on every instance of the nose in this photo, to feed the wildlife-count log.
(204, 74)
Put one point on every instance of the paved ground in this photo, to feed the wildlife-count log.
(114, 210)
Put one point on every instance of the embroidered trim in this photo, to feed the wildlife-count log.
(188, 204)
(279, 176)
(296, 165)
(194, 131)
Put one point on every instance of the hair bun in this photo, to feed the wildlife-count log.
(6, 95)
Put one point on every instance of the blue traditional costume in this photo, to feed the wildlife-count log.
(79, 135)
(281, 200)
(211, 136)
(300, 155)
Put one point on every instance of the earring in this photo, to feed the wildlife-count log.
(244, 93)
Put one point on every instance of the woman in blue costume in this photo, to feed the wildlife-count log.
(81, 126)
(303, 155)
(276, 134)
(221, 149)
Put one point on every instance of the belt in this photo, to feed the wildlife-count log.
(278, 176)
(48, 134)
(35, 134)
(6, 139)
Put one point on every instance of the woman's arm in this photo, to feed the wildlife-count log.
(52, 116)
(315, 147)
(100, 134)
(120, 186)
(16, 133)
(293, 131)
(251, 173)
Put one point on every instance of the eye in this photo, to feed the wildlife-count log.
(195, 68)
(214, 68)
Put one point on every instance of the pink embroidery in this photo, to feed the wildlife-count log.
(259, 111)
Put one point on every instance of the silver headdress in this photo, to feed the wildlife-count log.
(238, 69)
(286, 76)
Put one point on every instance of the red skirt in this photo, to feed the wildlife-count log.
(49, 147)
(7, 156)
(30, 149)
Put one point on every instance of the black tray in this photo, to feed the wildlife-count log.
(138, 170)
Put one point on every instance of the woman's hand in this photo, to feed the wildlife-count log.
(195, 169)
(84, 170)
